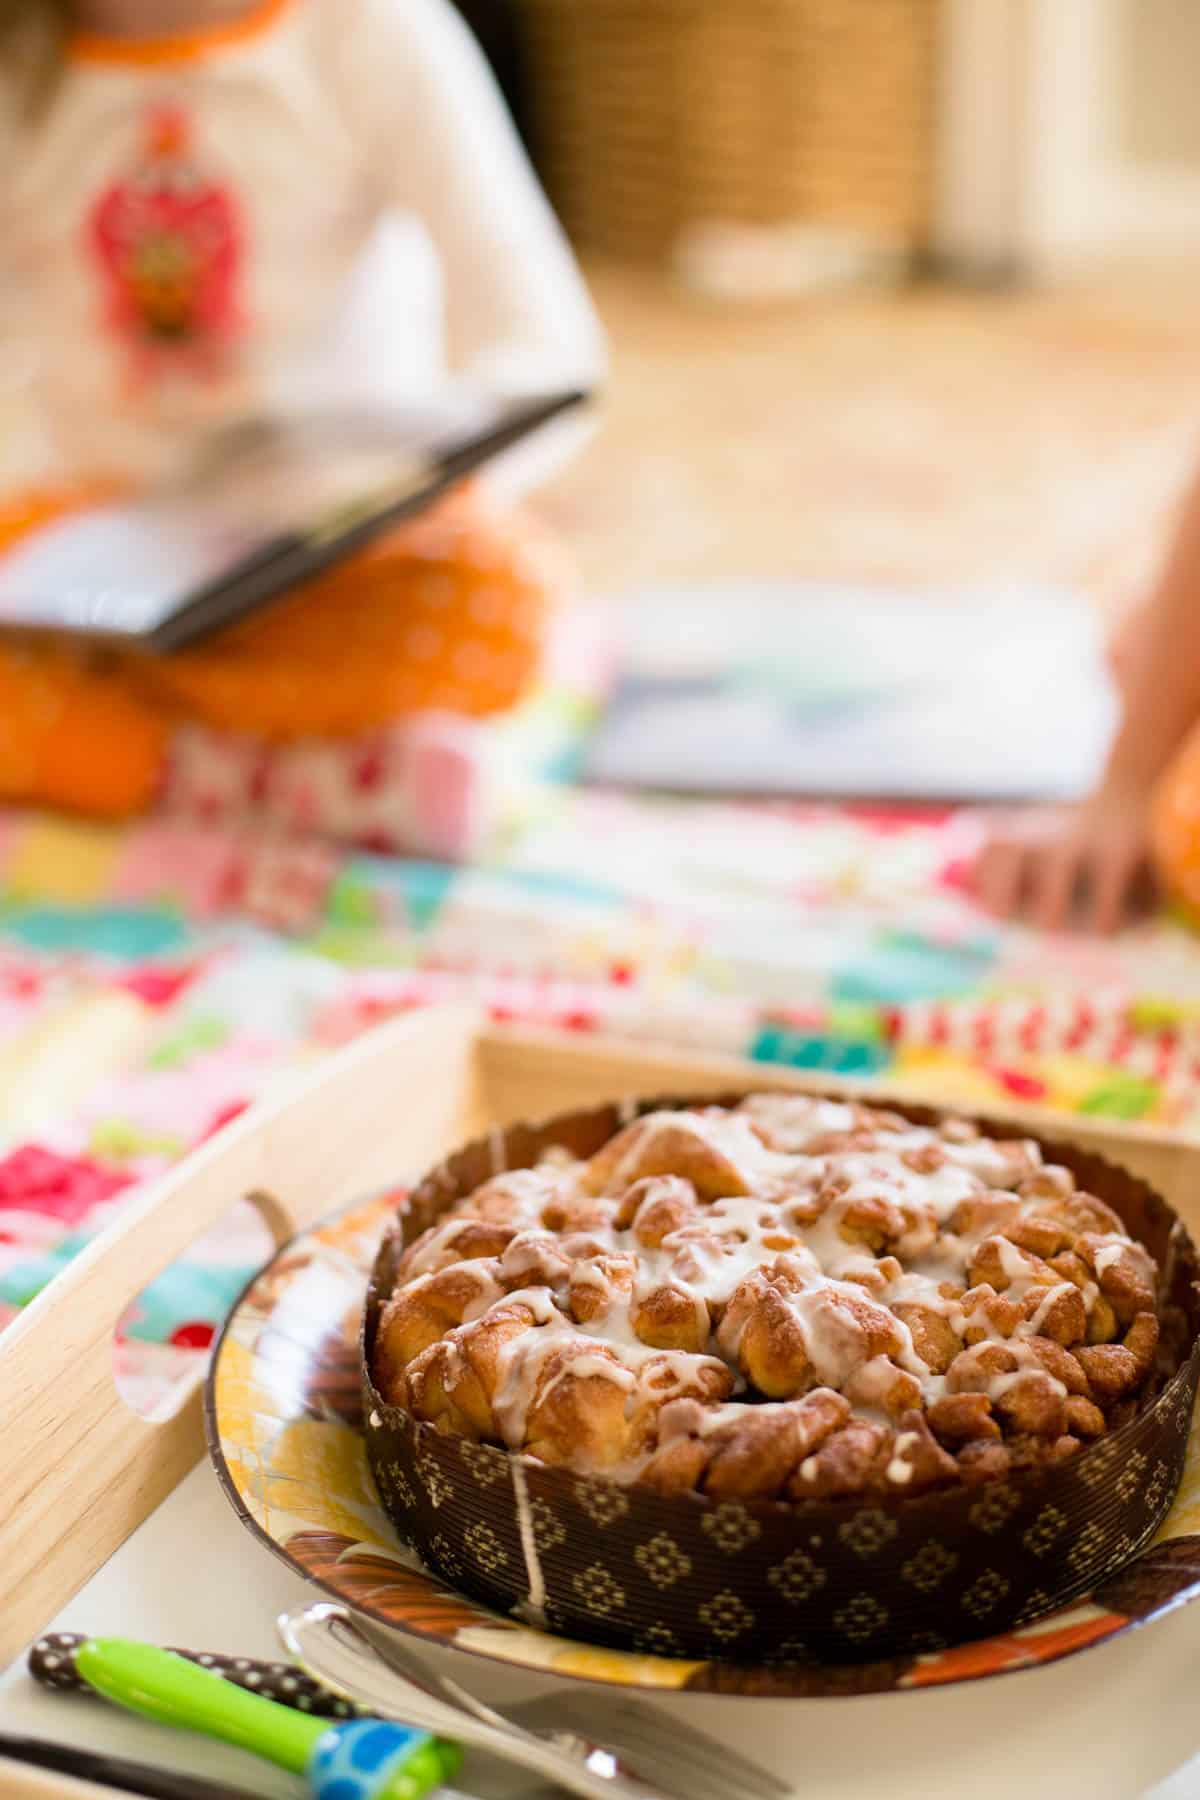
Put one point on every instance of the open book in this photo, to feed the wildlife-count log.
(267, 506)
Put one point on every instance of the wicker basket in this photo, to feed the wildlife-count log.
(653, 115)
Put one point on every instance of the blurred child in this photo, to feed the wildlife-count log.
(1088, 865)
(195, 198)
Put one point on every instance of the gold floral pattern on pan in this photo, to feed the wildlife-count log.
(731, 1527)
(663, 1562)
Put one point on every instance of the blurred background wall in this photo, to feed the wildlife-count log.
(1015, 136)
(1028, 414)
(1071, 134)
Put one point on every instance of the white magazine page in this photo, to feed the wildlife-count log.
(842, 693)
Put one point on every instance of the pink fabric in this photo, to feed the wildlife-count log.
(174, 859)
(420, 789)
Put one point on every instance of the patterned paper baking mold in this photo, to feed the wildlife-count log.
(688, 1576)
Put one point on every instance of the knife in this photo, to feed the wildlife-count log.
(115, 1772)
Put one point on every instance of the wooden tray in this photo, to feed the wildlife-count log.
(80, 1470)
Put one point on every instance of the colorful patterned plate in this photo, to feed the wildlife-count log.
(283, 1418)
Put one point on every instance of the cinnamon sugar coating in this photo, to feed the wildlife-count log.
(797, 1299)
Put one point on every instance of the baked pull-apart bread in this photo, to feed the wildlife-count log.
(798, 1298)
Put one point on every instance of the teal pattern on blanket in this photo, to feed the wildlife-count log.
(824, 1053)
(129, 934)
(903, 968)
(183, 1295)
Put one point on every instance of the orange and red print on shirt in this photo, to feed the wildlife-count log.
(168, 241)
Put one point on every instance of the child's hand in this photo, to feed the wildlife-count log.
(1085, 866)
(1125, 648)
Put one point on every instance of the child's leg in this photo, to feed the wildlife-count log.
(1175, 829)
(445, 614)
(423, 787)
(73, 738)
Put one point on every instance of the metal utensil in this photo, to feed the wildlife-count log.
(660, 1748)
(337, 1651)
(337, 1646)
(664, 1748)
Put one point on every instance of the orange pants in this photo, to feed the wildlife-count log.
(1175, 829)
(447, 612)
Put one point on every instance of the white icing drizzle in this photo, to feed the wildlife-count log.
(882, 1171)
(1039, 1317)
(589, 1364)
(488, 1290)
(999, 1385)
(1107, 1255)
(425, 1258)
(795, 1119)
(520, 1367)
(847, 1231)
(540, 1302)
(899, 1469)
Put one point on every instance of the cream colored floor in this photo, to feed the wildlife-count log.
(935, 436)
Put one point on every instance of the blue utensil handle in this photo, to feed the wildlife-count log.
(373, 1759)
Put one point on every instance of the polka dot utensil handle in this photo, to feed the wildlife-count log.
(51, 1663)
(366, 1759)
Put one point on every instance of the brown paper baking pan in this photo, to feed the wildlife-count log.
(840, 1581)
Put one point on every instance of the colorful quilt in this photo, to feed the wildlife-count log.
(138, 1013)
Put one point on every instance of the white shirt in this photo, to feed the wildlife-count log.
(220, 225)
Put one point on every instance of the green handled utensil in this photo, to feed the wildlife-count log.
(364, 1759)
